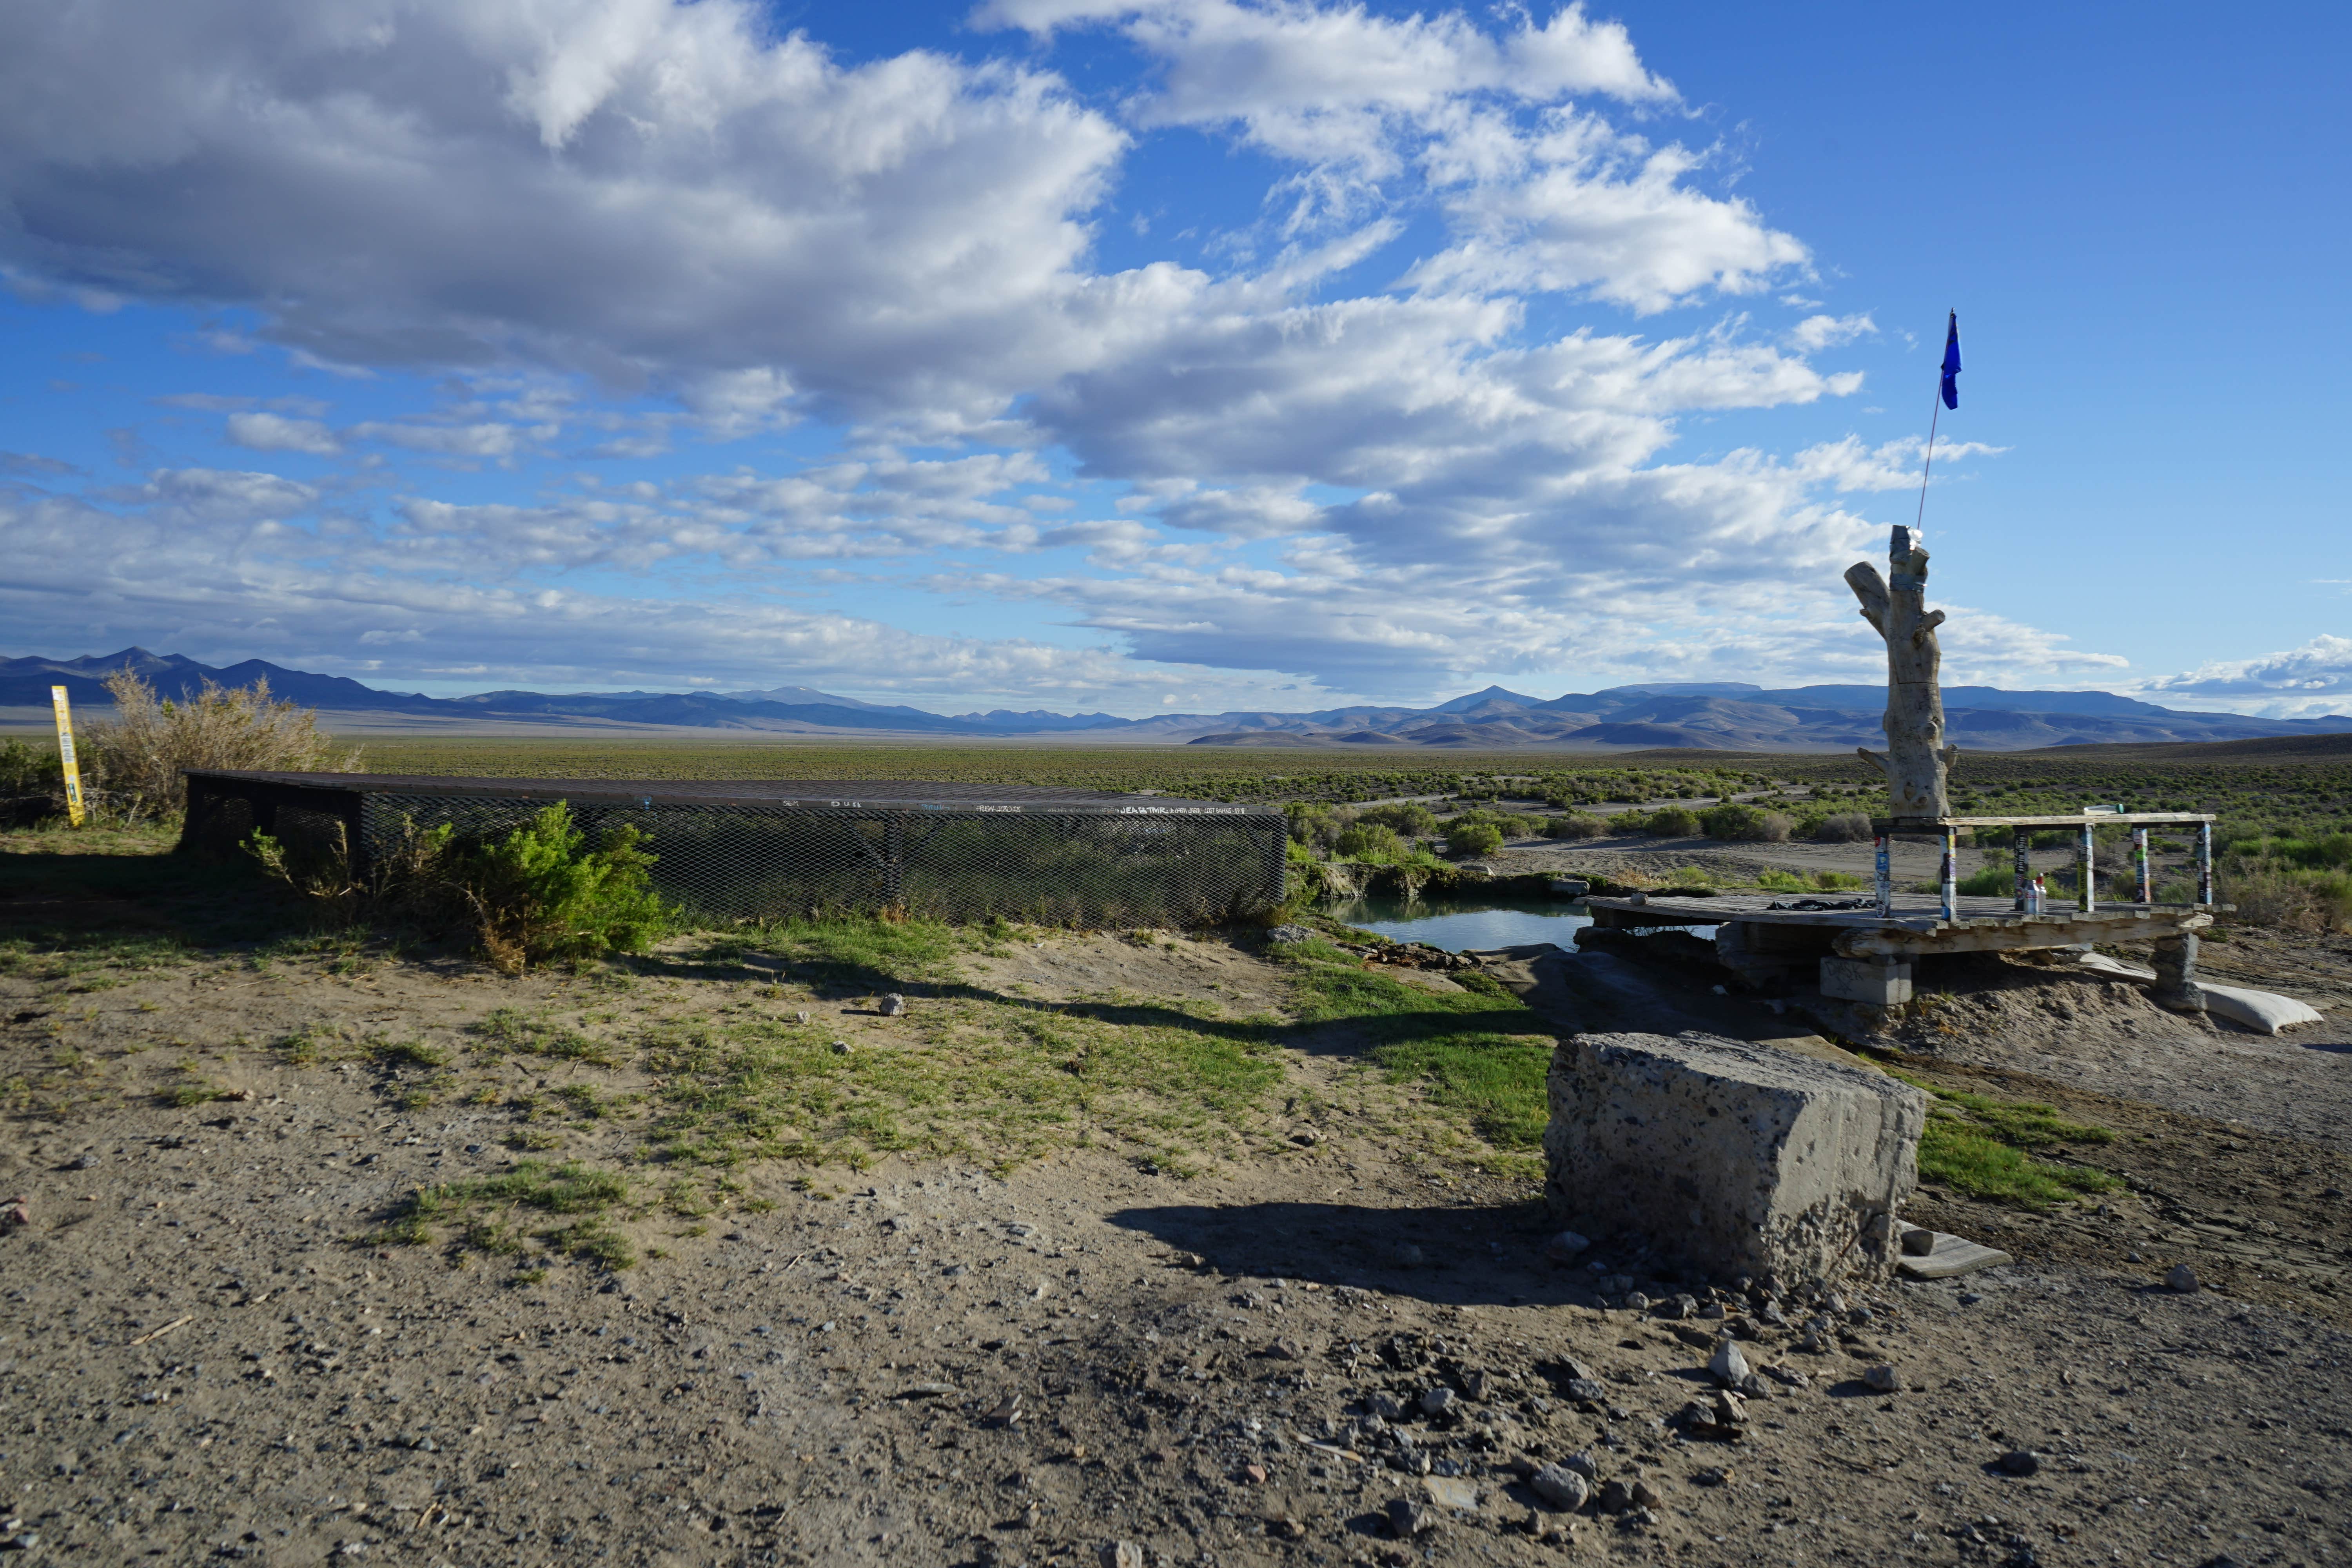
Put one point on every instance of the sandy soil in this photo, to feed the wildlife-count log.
(920, 1362)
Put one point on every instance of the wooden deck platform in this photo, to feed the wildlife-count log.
(1915, 923)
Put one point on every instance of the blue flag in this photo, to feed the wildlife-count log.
(1952, 361)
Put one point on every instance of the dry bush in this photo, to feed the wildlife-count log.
(2273, 893)
(1844, 828)
(136, 758)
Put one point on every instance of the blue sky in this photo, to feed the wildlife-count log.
(1194, 354)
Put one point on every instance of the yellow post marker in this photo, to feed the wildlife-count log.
(66, 755)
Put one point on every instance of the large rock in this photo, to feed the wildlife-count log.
(1729, 1158)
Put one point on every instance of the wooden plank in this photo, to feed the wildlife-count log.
(2021, 933)
(2095, 818)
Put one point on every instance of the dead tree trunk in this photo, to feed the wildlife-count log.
(1917, 762)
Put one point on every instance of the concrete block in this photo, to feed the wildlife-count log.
(1731, 1159)
(1882, 982)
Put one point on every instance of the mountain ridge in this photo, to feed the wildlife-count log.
(1702, 715)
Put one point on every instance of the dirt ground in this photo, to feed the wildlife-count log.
(212, 1351)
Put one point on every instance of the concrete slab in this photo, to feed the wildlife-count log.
(1731, 1158)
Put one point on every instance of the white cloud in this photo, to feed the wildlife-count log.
(277, 433)
(1895, 465)
(2305, 681)
(725, 232)
(633, 189)
(1815, 333)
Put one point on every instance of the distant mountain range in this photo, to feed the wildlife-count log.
(1710, 716)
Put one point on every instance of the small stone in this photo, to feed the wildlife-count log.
(1918, 1241)
(1860, 1316)
(2019, 1462)
(2181, 1279)
(1882, 1380)
(1585, 1391)
(893, 1005)
(841, 1047)
(1754, 1387)
(1713, 1475)
(1282, 1527)
(1408, 1518)
(1385, 1406)
(1306, 1138)
(1616, 1497)
(1675, 1307)
(799, 1017)
(1727, 1366)
(1712, 1312)
(1646, 1495)
(1770, 1315)
(85, 1163)
(1789, 1375)
(1408, 1255)
(1120, 1554)
(1290, 933)
(1438, 1401)
(1583, 1464)
(1031, 1517)
(1638, 1302)
(1730, 1410)
(1254, 1474)
(1561, 1486)
(1287, 1350)
(1567, 1246)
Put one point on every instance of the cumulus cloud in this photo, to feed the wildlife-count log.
(2309, 680)
(632, 188)
(615, 224)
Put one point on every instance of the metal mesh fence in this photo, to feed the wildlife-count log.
(1053, 857)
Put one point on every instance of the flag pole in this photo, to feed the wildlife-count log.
(1936, 413)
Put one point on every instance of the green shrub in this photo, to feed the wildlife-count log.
(1473, 837)
(1672, 822)
(1992, 882)
(1744, 824)
(1316, 827)
(540, 894)
(1575, 825)
(1369, 841)
(1408, 818)
(29, 769)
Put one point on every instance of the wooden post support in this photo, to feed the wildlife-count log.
(2139, 862)
(1917, 764)
(2087, 869)
(2021, 861)
(2204, 863)
(2176, 973)
(1948, 881)
(1886, 884)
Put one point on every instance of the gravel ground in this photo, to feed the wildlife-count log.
(206, 1358)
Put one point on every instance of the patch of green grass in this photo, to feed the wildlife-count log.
(999, 1078)
(1978, 1165)
(408, 1052)
(1481, 1052)
(518, 1031)
(191, 1094)
(481, 1208)
(583, 1100)
(1981, 1153)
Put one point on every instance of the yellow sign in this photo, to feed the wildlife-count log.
(66, 755)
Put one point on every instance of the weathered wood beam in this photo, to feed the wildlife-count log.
(2013, 936)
